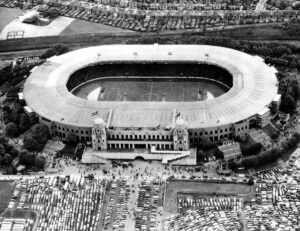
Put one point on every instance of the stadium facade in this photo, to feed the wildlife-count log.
(141, 124)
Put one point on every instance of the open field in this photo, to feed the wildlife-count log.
(6, 190)
(147, 89)
(174, 187)
(82, 27)
(7, 15)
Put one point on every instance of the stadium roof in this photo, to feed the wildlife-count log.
(254, 87)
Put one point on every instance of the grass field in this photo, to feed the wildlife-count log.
(196, 187)
(6, 190)
(82, 27)
(146, 90)
(7, 15)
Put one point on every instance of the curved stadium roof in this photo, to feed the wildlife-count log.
(254, 87)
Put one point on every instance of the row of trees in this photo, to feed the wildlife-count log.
(15, 120)
(290, 95)
(270, 155)
(8, 153)
(251, 149)
(56, 49)
(275, 53)
(36, 138)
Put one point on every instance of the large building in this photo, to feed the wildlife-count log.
(175, 125)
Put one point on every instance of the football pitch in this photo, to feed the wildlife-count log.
(149, 89)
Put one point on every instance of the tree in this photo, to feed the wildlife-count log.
(16, 112)
(53, 12)
(30, 159)
(275, 135)
(11, 129)
(233, 165)
(30, 143)
(24, 122)
(48, 53)
(60, 48)
(1, 160)
(6, 117)
(218, 154)
(40, 161)
(7, 159)
(250, 181)
(14, 152)
(3, 139)
(10, 170)
(8, 147)
(202, 154)
(23, 155)
(287, 104)
(205, 143)
(250, 161)
(294, 89)
(71, 139)
(252, 149)
(2, 150)
(40, 132)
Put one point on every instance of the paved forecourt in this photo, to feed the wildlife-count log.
(254, 87)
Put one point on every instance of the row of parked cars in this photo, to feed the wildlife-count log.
(8, 3)
(61, 207)
(147, 201)
(195, 220)
(277, 202)
(276, 207)
(16, 224)
(186, 201)
(117, 207)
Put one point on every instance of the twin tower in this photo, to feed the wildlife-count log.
(176, 138)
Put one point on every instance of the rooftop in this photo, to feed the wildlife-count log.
(254, 87)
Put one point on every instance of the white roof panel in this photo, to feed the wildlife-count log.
(254, 87)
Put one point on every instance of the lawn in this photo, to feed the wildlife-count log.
(6, 190)
(83, 27)
(195, 187)
(7, 15)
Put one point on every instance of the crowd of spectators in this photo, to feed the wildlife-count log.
(182, 70)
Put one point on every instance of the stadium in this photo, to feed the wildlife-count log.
(163, 98)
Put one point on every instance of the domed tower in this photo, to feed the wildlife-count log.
(180, 135)
(99, 135)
